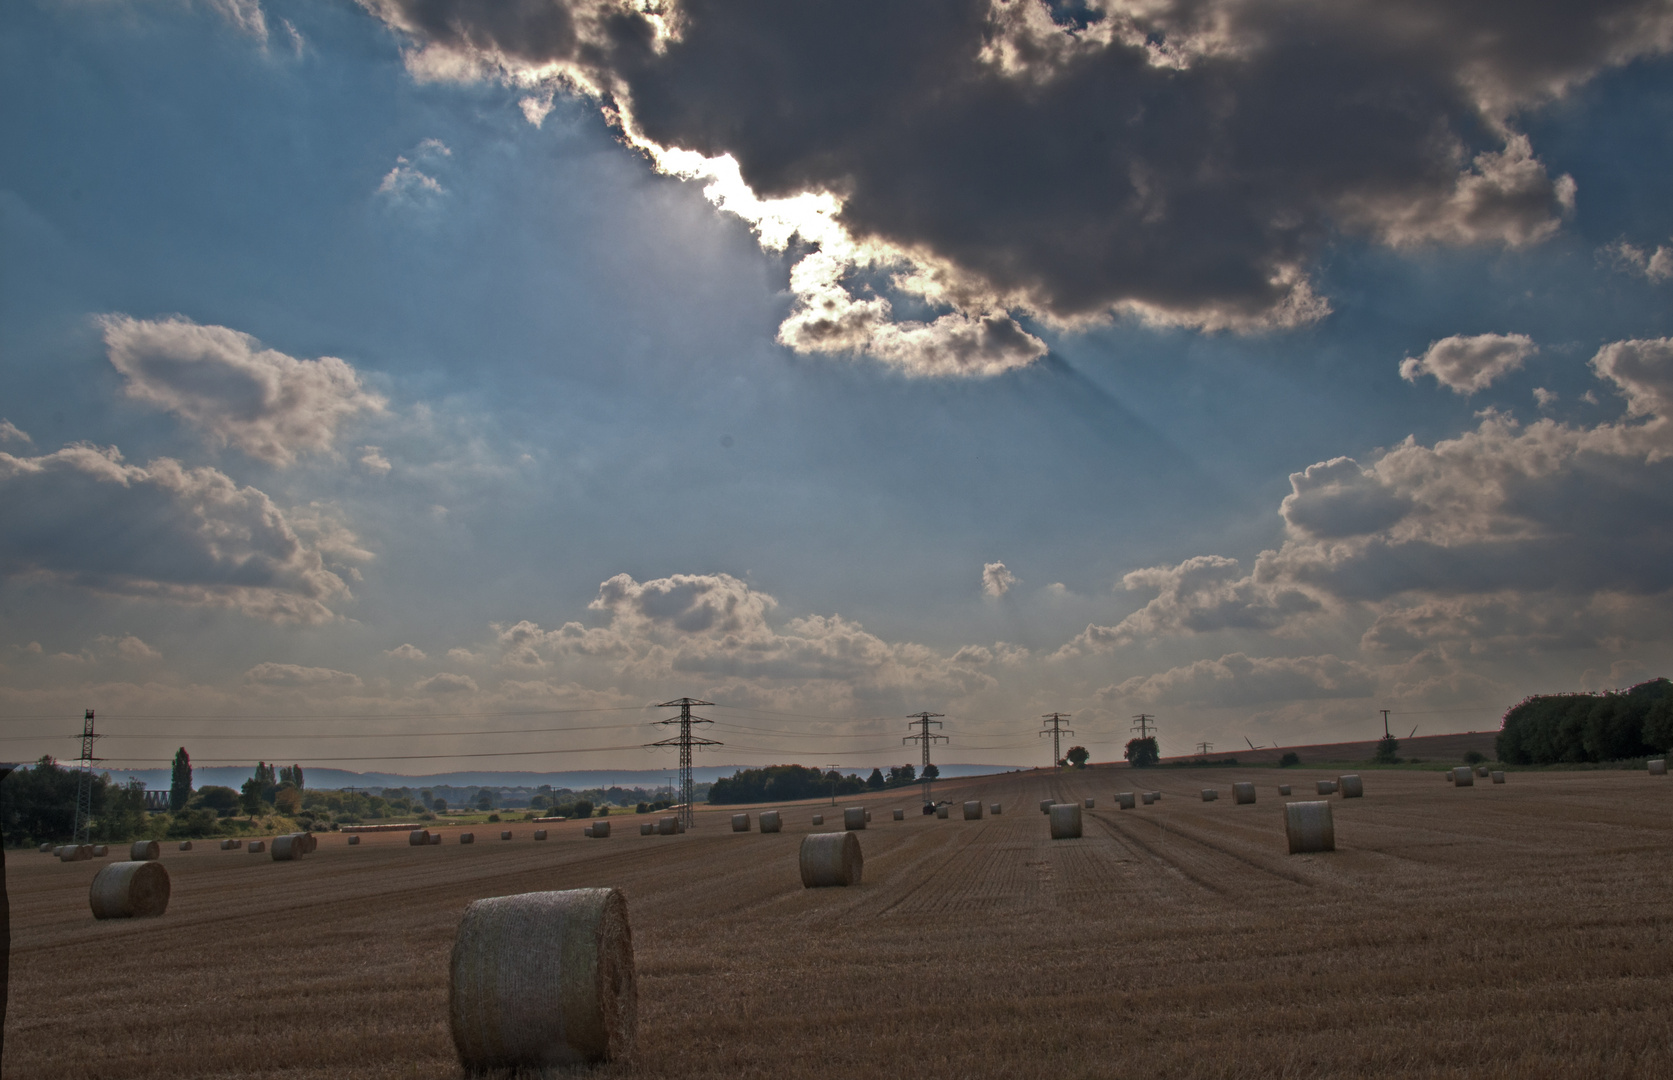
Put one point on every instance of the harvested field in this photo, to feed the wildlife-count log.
(1494, 931)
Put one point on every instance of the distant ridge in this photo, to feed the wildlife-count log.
(1447, 749)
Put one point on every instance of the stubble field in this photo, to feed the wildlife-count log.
(1507, 931)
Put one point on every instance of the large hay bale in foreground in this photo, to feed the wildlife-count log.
(1243, 792)
(1325, 787)
(1045, 806)
(1065, 821)
(1351, 786)
(972, 811)
(289, 848)
(1463, 776)
(467, 838)
(75, 853)
(543, 979)
(135, 889)
(540, 834)
(419, 838)
(899, 815)
(144, 850)
(770, 821)
(1658, 767)
(1210, 794)
(943, 811)
(256, 847)
(185, 845)
(1125, 800)
(1498, 777)
(996, 808)
(1309, 827)
(830, 859)
(854, 817)
(1283, 789)
(740, 822)
(601, 830)
(354, 840)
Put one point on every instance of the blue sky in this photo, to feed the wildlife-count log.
(339, 387)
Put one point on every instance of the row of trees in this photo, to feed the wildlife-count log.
(38, 804)
(1550, 728)
(778, 783)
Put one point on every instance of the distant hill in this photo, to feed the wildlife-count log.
(1438, 748)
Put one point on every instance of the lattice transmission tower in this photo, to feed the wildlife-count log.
(923, 721)
(84, 789)
(685, 740)
(1056, 731)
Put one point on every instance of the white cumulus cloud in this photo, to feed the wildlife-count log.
(1468, 364)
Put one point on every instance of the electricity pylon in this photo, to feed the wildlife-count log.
(1056, 732)
(84, 791)
(685, 740)
(923, 735)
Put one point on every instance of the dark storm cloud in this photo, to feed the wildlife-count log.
(1179, 160)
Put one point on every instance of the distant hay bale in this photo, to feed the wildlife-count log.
(868, 815)
(853, 817)
(543, 979)
(1045, 806)
(256, 847)
(1309, 827)
(587, 830)
(1149, 797)
(1658, 767)
(1065, 821)
(45, 848)
(144, 850)
(972, 811)
(819, 819)
(769, 821)
(1243, 792)
(1090, 803)
(601, 830)
(354, 841)
(289, 848)
(1481, 771)
(1156, 795)
(1325, 787)
(1351, 786)
(136, 889)
(1450, 774)
(435, 838)
(1210, 794)
(75, 853)
(1498, 777)
(995, 808)
(679, 825)
(467, 838)
(899, 815)
(1125, 800)
(540, 834)
(740, 822)
(647, 828)
(313, 843)
(505, 834)
(667, 826)
(419, 838)
(185, 845)
(1283, 789)
(830, 859)
(943, 811)
(100, 850)
(1463, 776)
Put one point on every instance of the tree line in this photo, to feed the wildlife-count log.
(1549, 729)
(783, 783)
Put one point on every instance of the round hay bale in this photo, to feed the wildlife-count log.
(1156, 795)
(1125, 800)
(667, 826)
(1309, 827)
(1210, 794)
(770, 821)
(75, 853)
(830, 859)
(1045, 806)
(1658, 767)
(1351, 786)
(819, 819)
(100, 850)
(853, 817)
(540, 834)
(1498, 777)
(679, 825)
(972, 811)
(900, 815)
(740, 822)
(601, 830)
(289, 848)
(505, 834)
(1283, 789)
(586, 830)
(543, 979)
(136, 889)
(354, 841)
(419, 838)
(45, 848)
(1065, 821)
(1325, 787)
(1463, 776)
(313, 843)
(467, 838)
(1149, 797)
(144, 850)
(226, 845)
(868, 815)
(943, 811)
(647, 828)
(257, 847)
(1243, 792)
(996, 808)
(435, 838)
(1090, 803)
(1481, 771)
(185, 845)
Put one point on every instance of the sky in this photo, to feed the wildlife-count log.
(392, 382)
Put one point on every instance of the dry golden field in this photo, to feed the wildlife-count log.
(1523, 930)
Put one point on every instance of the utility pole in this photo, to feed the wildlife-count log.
(1204, 747)
(84, 791)
(923, 735)
(833, 770)
(1386, 735)
(1142, 723)
(1056, 732)
(685, 740)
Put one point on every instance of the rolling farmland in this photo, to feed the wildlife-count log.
(1523, 930)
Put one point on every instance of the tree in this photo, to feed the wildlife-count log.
(180, 783)
(902, 774)
(1388, 751)
(1077, 756)
(287, 800)
(1290, 758)
(250, 796)
(875, 781)
(439, 805)
(1142, 753)
(291, 774)
(485, 799)
(931, 772)
(213, 797)
(583, 808)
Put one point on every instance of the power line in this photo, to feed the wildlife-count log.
(685, 740)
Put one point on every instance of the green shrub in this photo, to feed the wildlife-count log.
(1290, 758)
